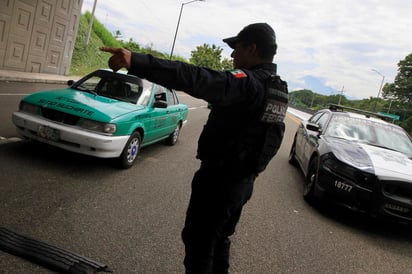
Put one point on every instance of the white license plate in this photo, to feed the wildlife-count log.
(48, 133)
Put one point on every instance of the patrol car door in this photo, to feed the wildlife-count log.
(311, 140)
(302, 134)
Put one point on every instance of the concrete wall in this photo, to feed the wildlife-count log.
(38, 35)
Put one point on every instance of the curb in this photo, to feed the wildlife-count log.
(25, 80)
(27, 77)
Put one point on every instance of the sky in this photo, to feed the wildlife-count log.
(330, 47)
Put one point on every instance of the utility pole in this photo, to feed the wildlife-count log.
(340, 96)
(313, 99)
(91, 23)
(178, 23)
(380, 87)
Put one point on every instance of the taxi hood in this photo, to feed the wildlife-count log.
(82, 104)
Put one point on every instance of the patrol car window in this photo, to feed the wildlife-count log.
(393, 138)
(349, 129)
(370, 132)
(315, 117)
(322, 120)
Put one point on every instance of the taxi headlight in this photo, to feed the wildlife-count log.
(106, 128)
(29, 108)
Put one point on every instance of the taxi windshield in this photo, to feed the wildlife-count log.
(114, 87)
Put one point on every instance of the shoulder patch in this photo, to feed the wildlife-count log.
(238, 73)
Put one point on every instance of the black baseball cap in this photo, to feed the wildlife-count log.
(259, 33)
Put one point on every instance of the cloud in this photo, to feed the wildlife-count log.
(336, 42)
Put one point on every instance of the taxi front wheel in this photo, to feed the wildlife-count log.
(130, 151)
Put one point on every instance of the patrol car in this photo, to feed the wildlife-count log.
(356, 159)
(105, 114)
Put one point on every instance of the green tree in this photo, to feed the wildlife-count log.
(301, 98)
(227, 64)
(407, 125)
(87, 58)
(399, 93)
(117, 34)
(207, 56)
(104, 35)
(401, 89)
(131, 45)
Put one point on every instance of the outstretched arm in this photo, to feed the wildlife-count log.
(210, 85)
(121, 58)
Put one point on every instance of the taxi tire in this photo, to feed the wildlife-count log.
(130, 151)
(311, 180)
(174, 136)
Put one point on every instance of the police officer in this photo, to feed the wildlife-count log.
(243, 132)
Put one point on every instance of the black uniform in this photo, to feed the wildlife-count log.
(233, 148)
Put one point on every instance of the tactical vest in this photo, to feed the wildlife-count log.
(259, 130)
(264, 135)
(273, 114)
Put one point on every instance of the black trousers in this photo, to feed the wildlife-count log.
(215, 206)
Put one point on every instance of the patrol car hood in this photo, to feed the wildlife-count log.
(384, 163)
(82, 104)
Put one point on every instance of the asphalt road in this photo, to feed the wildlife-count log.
(131, 219)
(10, 96)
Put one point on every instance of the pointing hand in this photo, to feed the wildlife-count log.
(121, 58)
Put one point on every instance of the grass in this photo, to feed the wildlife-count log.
(87, 58)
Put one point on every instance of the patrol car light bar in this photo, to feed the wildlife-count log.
(336, 107)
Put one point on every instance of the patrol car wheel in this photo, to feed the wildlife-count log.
(172, 139)
(311, 180)
(292, 154)
(130, 151)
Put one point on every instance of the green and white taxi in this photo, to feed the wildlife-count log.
(104, 114)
